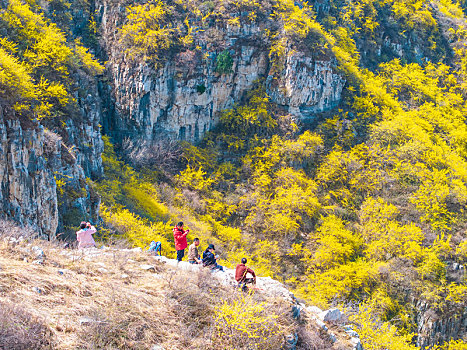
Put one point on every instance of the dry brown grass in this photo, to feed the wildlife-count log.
(129, 308)
(125, 306)
(19, 329)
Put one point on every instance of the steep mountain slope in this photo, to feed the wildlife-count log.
(330, 142)
(369, 209)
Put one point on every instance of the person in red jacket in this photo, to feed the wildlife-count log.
(240, 274)
(180, 240)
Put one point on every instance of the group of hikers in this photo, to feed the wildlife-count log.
(209, 259)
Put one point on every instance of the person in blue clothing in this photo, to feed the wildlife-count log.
(209, 259)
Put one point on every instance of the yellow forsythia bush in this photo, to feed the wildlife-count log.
(243, 323)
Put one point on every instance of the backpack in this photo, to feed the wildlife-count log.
(155, 247)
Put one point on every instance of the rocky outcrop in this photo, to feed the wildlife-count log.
(44, 168)
(27, 185)
(433, 328)
(79, 159)
(184, 99)
(158, 103)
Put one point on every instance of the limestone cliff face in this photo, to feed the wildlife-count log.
(44, 166)
(433, 329)
(184, 98)
(78, 159)
(28, 189)
(438, 326)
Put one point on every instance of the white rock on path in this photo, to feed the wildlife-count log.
(352, 333)
(157, 347)
(86, 321)
(38, 252)
(148, 268)
(83, 321)
(320, 323)
(313, 310)
(357, 344)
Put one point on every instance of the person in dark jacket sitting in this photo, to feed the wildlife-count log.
(209, 259)
(240, 275)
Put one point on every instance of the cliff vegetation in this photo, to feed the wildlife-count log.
(360, 204)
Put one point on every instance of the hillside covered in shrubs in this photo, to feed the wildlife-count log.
(358, 203)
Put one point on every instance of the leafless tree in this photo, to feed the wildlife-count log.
(163, 154)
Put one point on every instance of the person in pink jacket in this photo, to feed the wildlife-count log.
(84, 236)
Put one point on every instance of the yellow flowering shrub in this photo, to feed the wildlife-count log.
(246, 323)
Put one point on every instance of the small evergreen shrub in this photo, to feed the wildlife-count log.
(224, 62)
(201, 89)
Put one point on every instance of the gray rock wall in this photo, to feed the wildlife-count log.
(434, 328)
(157, 103)
(27, 185)
(77, 157)
(44, 167)
(184, 99)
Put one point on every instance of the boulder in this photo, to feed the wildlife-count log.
(331, 315)
(291, 341)
(296, 311)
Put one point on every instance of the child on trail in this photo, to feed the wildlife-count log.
(240, 275)
(180, 240)
(209, 259)
(84, 236)
(193, 254)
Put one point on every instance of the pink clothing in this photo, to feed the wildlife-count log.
(84, 237)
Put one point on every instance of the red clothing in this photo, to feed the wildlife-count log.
(180, 238)
(240, 272)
